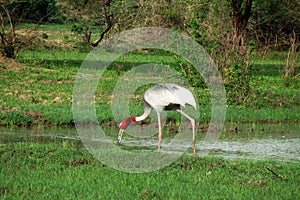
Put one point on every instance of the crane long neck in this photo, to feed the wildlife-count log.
(147, 111)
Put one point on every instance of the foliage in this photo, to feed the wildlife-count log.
(290, 73)
(88, 16)
(15, 12)
(10, 43)
(213, 24)
(144, 13)
(272, 23)
(230, 50)
(35, 11)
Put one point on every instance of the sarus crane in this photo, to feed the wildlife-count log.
(162, 97)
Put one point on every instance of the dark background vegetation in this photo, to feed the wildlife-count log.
(269, 24)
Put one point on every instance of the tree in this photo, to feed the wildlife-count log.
(10, 43)
(89, 17)
(276, 26)
(221, 27)
(273, 22)
(13, 13)
(240, 15)
(108, 17)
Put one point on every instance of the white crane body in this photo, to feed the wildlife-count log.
(162, 97)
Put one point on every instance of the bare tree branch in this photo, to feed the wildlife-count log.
(108, 20)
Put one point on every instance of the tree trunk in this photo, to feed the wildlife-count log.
(240, 16)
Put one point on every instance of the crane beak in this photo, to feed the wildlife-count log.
(120, 135)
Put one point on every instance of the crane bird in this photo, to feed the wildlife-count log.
(162, 97)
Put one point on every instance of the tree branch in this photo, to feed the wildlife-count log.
(274, 173)
(108, 20)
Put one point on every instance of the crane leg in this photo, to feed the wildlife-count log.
(159, 131)
(193, 127)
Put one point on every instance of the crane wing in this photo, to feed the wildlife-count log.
(163, 94)
(182, 94)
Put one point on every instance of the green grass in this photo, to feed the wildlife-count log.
(46, 27)
(44, 85)
(66, 170)
(39, 91)
(266, 115)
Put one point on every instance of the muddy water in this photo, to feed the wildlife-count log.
(250, 141)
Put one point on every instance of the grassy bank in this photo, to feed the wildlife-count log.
(38, 91)
(65, 170)
(37, 87)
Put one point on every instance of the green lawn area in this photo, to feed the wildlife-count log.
(43, 84)
(66, 170)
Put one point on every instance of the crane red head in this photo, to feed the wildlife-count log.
(123, 125)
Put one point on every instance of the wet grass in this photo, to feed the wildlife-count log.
(65, 169)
